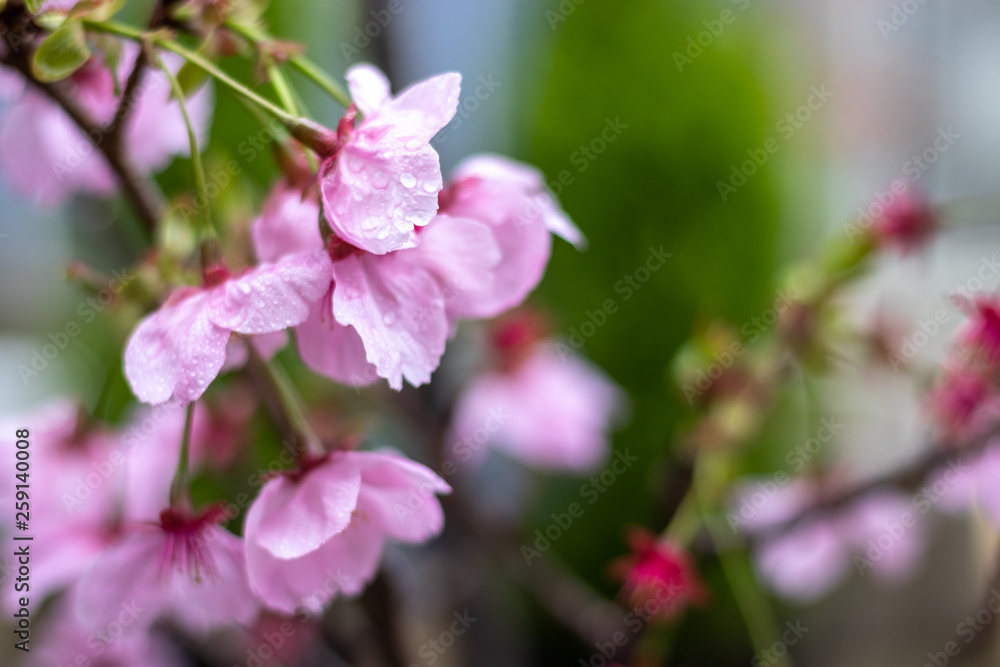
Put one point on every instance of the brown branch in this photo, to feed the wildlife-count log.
(908, 478)
(129, 95)
(140, 191)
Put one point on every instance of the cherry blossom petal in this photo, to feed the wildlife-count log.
(45, 156)
(514, 191)
(398, 496)
(879, 517)
(289, 224)
(292, 518)
(379, 188)
(549, 413)
(369, 88)
(463, 254)
(271, 297)
(398, 312)
(805, 563)
(344, 564)
(332, 349)
(220, 598)
(176, 352)
(423, 109)
(127, 574)
(11, 82)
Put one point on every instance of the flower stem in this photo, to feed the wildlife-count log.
(179, 487)
(303, 64)
(306, 131)
(207, 230)
(710, 478)
(285, 402)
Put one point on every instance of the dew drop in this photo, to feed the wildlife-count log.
(380, 180)
(389, 319)
(408, 180)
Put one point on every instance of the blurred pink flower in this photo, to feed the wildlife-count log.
(980, 333)
(11, 83)
(44, 154)
(964, 485)
(319, 531)
(176, 352)
(384, 178)
(659, 576)
(74, 493)
(68, 642)
(964, 404)
(512, 199)
(185, 568)
(549, 412)
(907, 224)
(881, 532)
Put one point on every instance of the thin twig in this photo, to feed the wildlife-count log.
(129, 98)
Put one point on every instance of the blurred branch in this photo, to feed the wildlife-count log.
(129, 97)
(381, 605)
(567, 598)
(145, 199)
(908, 478)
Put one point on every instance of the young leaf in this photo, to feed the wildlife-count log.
(62, 53)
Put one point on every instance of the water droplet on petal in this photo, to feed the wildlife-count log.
(389, 319)
(380, 180)
(408, 180)
(430, 187)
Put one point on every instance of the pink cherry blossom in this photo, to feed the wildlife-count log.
(980, 334)
(75, 488)
(879, 533)
(382, 315)
(320, 530)
(885, 534)
(513, 201)
(184, 568)
(11, 82)
(907, 223)
(69, 642)
(966, 484)
(384, 179)
(549, 412)
(964, 404)
(658, 576)
(176, 352)
(45, 155)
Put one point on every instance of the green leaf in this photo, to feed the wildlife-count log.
(191, 78)
(96, 10)
(34, 5)
(62, 53)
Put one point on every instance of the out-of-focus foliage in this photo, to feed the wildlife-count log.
(654, 186)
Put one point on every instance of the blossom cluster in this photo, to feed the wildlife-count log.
(371, 262)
